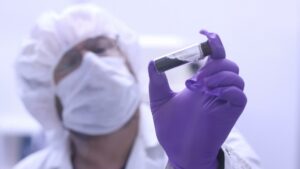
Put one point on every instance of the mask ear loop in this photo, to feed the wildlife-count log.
(117, 42)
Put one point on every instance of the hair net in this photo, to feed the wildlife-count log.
(53, 35)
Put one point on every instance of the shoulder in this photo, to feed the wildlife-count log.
(34, 161)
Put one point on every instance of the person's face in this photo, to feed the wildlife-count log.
(72, 59)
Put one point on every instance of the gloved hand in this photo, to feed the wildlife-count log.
(191, 125)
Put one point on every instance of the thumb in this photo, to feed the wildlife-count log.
(159, 89)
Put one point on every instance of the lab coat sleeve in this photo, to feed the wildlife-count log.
(169, 166)
(236, 153)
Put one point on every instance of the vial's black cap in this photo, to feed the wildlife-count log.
(206, 48)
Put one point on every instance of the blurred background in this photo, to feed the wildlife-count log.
(263, 37)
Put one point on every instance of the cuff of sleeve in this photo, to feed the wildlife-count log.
(169, 166)
(221, 161)
(233, 160)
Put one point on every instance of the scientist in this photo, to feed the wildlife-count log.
(80, 76)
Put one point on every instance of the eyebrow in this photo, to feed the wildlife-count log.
(100, 41)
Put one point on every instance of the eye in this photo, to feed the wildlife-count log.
(69, 62)
(99, 50)
(72, 62)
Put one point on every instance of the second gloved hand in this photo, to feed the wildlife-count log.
(192, 125)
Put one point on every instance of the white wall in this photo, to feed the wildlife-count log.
(16, 18)
(261, 36)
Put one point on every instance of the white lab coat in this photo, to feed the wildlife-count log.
(146, 152)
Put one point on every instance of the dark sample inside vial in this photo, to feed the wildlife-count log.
(166, 63)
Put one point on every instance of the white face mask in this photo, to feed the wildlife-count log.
(99, 97)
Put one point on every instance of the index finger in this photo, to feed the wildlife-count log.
(215, 43)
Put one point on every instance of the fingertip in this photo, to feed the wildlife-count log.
(236, 68)
(203, 32)
(158, 84)
(152, 69)
(208, 34)
(242, 102)
(234, 96)
(151, 66)
(194, 85)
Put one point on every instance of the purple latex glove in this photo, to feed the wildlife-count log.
(191, 125)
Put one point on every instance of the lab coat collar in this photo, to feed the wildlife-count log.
(146, 127)
(144, 140)
(62, 157)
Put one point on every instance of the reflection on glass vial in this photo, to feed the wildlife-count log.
(191, 53)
